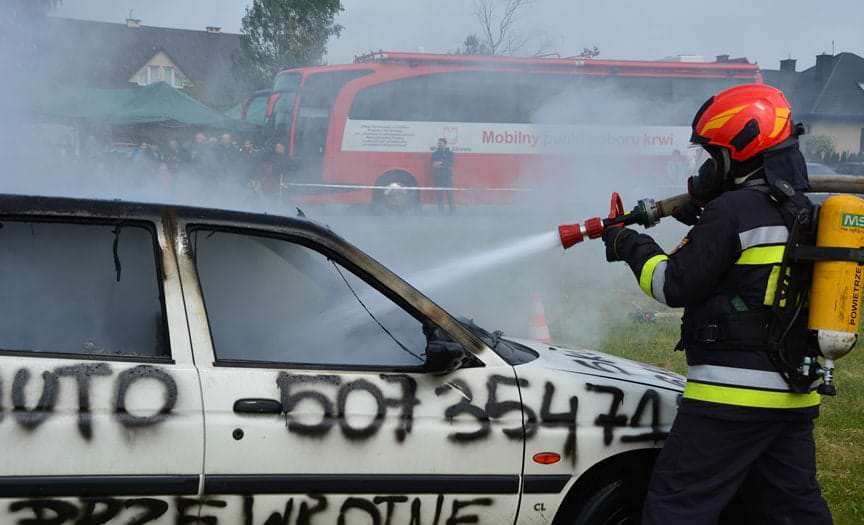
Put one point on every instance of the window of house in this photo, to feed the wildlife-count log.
(168, 75)
(271, 300)
(154, 74)
(80, 289)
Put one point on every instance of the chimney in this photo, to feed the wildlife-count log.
(722, 58)
(134, 23)
(788, 64)
(824, 63)
(214, 29)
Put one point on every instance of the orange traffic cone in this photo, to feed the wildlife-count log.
(539, 330)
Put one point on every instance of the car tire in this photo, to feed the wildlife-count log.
(616, 503)
(393, 195)
(620, 503)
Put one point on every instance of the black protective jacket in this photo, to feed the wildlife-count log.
(445, 157)
(724, 273)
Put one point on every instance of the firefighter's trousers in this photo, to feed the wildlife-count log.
(771, 465)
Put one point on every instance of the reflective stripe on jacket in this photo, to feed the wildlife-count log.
(727, 267)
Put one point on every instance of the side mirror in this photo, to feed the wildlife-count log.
(445, 356)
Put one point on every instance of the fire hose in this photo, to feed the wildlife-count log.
(648, 212)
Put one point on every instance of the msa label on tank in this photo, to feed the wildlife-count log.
(853, 220)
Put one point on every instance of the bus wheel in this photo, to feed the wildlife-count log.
(394, 193)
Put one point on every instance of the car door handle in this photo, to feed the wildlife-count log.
(256, 405)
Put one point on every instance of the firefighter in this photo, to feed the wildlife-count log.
(740, 428)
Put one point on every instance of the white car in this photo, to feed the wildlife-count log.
(163, 364)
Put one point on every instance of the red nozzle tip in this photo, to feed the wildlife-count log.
(570, 234)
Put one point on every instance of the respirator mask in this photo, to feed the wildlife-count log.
(712, 178)
(720, 173)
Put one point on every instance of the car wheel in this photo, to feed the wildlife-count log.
(617, 503)
(394, 193)
(620, 503)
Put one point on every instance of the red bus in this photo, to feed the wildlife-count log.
(510, 121)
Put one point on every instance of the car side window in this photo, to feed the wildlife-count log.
(81, 289)
(274, 301)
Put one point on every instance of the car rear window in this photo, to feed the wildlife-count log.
(80, 288)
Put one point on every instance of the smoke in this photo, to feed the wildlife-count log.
(583, 163)
(483, 262)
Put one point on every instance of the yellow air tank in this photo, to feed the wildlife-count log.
(835, 296)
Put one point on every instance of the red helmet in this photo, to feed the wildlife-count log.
(746, 120)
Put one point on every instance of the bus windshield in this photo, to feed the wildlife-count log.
(285, 89)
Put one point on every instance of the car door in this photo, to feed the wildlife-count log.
(317, 406)
(100, 405)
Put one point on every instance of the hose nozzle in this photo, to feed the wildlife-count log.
(570, 234)
(574, 233)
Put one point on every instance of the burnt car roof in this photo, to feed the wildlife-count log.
(11, 204)
(387, 282)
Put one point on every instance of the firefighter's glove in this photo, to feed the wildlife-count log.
(617, 240)
(688, 214)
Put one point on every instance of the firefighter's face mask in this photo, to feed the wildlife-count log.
(711, 180)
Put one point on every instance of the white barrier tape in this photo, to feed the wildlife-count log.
(416, 188)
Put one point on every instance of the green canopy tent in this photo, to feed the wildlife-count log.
(156, 104)
(162, 104)
(81, 103)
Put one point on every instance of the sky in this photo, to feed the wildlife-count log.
(763, 30)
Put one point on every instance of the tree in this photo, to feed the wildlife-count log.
(499, 33)
(499, 21)
(473, 46)
(818, 148)
(589, 52)
(279, 34)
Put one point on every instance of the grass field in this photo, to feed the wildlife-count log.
(839, 429)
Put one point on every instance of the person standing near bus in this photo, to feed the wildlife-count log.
(442, 169)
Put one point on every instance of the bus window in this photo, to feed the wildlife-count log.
(614, 100)
(537, 92)
(402, 99)
(470, 96)
(473, 96)
(311, 131)
(319, 91)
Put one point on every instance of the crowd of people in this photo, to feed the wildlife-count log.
(220, 158)
(214, 160)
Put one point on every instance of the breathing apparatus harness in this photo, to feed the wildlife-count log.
(782, 331)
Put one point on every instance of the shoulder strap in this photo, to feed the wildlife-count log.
(793, 205)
